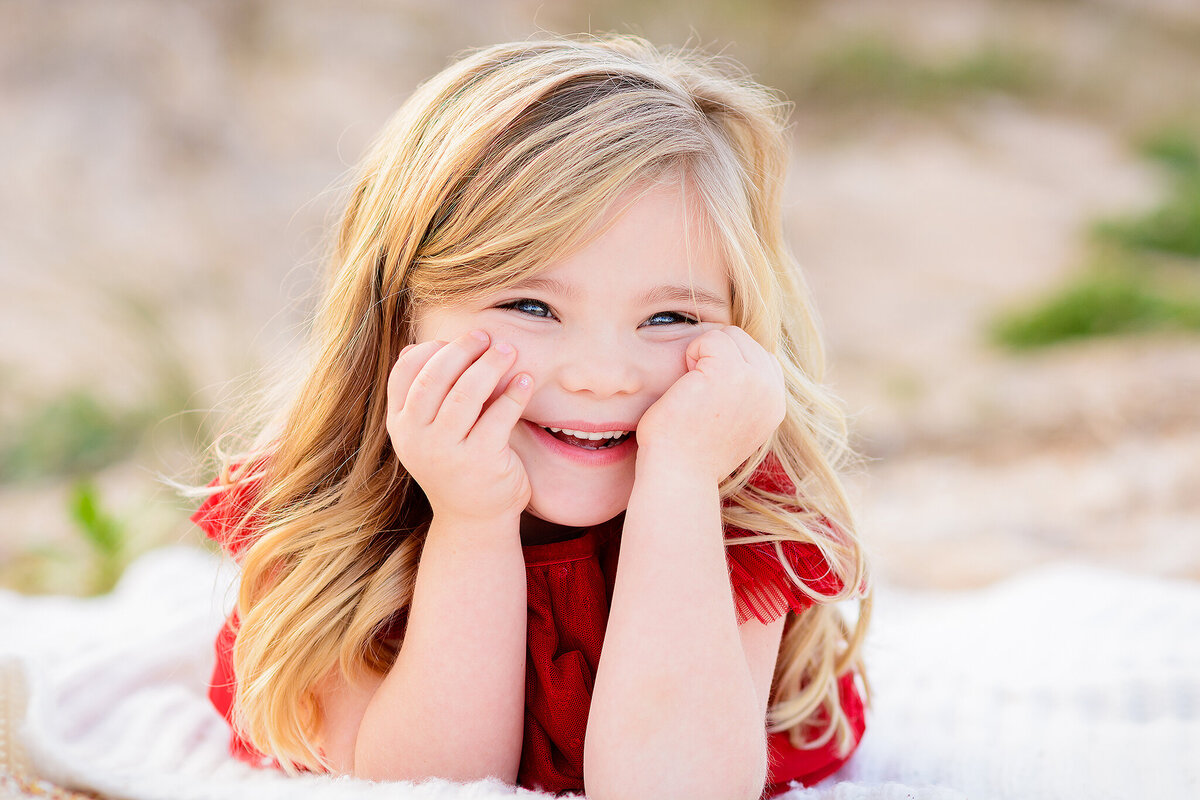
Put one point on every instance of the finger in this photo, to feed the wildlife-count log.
(744, 342)
(766, 372)
(497, 421)
(412, 359)
(714, 344)
(435, 380)
(465, 400)
(751, 349)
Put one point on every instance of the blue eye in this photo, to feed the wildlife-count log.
(532, 308)
(671, 318)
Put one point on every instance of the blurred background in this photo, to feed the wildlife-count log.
(997, 205)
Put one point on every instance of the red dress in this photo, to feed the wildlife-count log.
(569, 589)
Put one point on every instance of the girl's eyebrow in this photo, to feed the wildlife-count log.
(547, 285)
(666, 293)
(685, 293)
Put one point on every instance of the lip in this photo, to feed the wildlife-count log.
(597, 458)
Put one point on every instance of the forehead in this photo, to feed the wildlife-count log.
(649, 242)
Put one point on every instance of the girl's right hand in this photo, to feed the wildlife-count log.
(447, 434)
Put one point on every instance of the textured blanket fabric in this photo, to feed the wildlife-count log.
(1067, 682)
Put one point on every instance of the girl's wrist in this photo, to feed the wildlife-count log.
(676, 465)
(500, 528)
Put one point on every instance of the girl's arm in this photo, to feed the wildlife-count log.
(452, 705)
(679, 704)
(680, 700)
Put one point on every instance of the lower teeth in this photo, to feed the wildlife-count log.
(592, 444)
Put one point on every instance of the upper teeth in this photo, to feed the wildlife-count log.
(589, 434)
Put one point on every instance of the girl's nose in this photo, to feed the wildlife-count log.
(600, 368)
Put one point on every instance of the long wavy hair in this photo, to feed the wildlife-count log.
(491, 171)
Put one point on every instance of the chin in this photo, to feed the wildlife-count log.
(577, 511)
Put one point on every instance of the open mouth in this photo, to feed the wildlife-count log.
(589, 440)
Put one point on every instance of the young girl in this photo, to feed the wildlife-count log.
(556, 501)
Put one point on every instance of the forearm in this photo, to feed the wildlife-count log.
(452, 706)
(674, 710)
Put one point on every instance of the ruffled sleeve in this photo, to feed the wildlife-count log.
(761, 575)
(221, 514)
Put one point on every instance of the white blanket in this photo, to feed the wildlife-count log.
(1068, 682)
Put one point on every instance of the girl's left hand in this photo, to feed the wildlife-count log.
(730, 401)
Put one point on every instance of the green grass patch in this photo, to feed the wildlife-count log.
(1144, 269)
(72, 434)
(51, 443)
(876, 69)
(1099, 304)
(92, 560)
(1174, 148)
(1173, 227)
(106, 538)
(79, 431)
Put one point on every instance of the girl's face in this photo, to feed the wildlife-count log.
(603, 334)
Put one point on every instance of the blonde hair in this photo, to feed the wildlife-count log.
(490, 172)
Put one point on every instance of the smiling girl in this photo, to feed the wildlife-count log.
(557, 501)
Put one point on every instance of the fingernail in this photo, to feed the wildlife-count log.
(524, 381)
(504, 347)
(479, 336)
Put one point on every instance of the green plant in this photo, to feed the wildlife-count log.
(871, 68)
(79, 432)
(71, 434)
(106, 539)
(1174, 147)
(1173, 226)
(1126, 286)
(1098, 304)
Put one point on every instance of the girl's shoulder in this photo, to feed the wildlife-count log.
(772, 578)
(227, 515)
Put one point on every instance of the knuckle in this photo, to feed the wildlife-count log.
(424, 382)
(458, 396)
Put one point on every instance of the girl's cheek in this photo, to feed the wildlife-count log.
(703, 328)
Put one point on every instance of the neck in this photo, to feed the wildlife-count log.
(535, 530)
